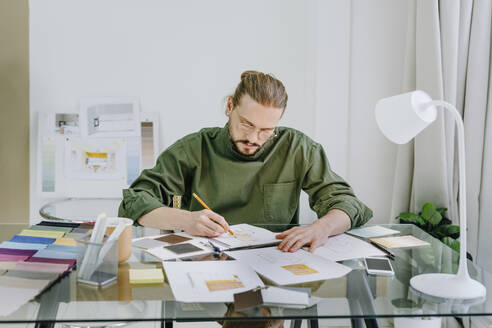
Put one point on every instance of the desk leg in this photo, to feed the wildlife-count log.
(312, 323)
(167, 324)
(295, 323)
(361, 299)
(167, 308)
(60, 292)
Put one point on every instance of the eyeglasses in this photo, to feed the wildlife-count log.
(262, 134)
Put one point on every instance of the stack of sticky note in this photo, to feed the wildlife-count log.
(146, 276)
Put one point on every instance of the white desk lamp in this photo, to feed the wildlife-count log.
(401, 118)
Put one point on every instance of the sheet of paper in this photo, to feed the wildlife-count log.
(400, 242)
(284, 268)
(209, 281)
(146, 276)
(344, 247)
(372, 231)
(284, 297)
(244, 235)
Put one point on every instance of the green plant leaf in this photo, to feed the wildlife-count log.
(441, 210)
(442, 231)
(411, 218)
(430, 214)
(454, 244)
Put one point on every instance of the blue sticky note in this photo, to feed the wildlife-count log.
(14, 245)
(32, 239)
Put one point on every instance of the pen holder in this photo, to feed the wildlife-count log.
(99, 265)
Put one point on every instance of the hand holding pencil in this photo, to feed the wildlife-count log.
(205, 222)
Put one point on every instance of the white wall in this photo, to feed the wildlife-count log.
(181, 57)
(359, 59)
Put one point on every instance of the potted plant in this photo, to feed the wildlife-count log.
(433, 221)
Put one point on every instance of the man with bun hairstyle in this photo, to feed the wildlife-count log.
(249, 171)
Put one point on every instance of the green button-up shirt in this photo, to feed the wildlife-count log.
(260, 188)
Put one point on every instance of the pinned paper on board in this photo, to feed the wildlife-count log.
(95, 158)
(86, 172)
(110, 117)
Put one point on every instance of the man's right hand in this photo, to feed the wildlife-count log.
(205, 223)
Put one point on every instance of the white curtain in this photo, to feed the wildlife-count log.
(449, 58)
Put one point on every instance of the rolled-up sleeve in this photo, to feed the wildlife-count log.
(329, 191)
(156, 187)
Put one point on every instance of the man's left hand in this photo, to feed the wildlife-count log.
(333, 223)
(315, 235)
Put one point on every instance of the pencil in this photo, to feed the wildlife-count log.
(208, 208)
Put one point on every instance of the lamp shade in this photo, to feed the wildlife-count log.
(402, 117)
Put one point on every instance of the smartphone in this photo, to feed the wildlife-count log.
(378, 266)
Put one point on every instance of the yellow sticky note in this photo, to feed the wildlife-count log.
(399, 242)
(146, 276)
(42, 233)
(65, 241)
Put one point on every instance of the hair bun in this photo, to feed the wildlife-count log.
(245, 74)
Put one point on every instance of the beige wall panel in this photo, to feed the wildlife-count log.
(14, 111)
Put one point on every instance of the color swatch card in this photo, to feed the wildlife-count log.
(285, 268)
(7, 265)
(41, 267)
(173, 239)
(42, 233)
(148, 243)
(58, 255)
(24, 283)
(400, 242)
(372, 232)
(32, 239)
(209, 281)
(84, 231)
(18, 297)
(12, 258)
(69, 262)
(18, 252)
(146, 276)
(65, 241)
(14, 245)
(74, 235)
(50, 228)
(59, 224)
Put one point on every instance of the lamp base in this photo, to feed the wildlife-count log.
(448, 286)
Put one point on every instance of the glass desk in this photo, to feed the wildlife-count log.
(87, 209)
(356, 296)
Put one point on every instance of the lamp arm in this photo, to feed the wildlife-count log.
(462, 269)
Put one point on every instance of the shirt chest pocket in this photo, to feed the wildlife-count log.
(280, 201)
